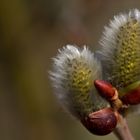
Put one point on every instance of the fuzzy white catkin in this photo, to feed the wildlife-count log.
(74, 70)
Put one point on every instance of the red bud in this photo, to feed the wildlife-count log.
(101, 122)
(105, 89)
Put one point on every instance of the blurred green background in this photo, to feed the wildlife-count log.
(31, 31)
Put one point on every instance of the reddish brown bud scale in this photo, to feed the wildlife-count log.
(132, 97)
(105, 89)
(101, 122)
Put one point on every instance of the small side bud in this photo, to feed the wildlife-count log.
(131, 94)
(101, 122)
(132, 97)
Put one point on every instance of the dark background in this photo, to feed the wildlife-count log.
(31, 31)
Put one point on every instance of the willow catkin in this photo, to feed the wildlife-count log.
(73, 75)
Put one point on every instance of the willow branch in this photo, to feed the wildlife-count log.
(122, 131)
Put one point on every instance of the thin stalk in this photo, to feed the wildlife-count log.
(122, 131)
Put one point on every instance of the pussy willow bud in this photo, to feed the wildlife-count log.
(101, 122)
(120, 55)
(105, 89)
(73, 73)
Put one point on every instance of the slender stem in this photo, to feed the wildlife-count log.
(122, 131)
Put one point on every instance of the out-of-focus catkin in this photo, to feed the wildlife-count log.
(120, 52)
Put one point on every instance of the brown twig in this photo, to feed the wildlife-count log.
(122, 131)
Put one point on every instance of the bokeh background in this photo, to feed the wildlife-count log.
(31, 31)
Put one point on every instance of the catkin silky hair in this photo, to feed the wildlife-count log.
(74, 72)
